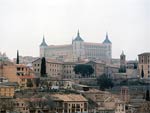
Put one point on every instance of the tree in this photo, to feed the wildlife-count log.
(104, 82)
(147, 96)
(84, 69)
(122, 69)
(17, 60)
(43, 67)
(142, 73)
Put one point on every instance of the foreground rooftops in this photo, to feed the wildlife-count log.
(69, 97)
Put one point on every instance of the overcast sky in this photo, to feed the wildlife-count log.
(23, 23)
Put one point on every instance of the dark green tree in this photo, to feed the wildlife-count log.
(135, 66)
(43, 67)
(142, 73)
(84, 69)
(122, 69)
(17, 60)
(104, 82)
(147, 95)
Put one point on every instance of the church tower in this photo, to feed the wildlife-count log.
(122, 62)
(43, 47)
(108, 46)
(78, 48)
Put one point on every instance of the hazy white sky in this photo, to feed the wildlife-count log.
(23, 23)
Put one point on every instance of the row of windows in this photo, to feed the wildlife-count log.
(6, 94)
(5, 89)
(55, 65)
(36, 65)
(21, 69)
(38, 70)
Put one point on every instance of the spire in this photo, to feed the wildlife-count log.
(43, 42)
(78, 38)
(122, 52)
(106, 41)
(43, 38)
(107, 35)
(78, 34)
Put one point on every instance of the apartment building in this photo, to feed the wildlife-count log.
(65, 70)
(71, 103)
(144, 65)
(6, 91)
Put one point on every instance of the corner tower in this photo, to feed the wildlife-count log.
(78, 47)
(43, 47)
(108, 47)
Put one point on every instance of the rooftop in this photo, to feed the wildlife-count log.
(69, 97)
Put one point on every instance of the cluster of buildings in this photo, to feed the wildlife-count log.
(61, 91)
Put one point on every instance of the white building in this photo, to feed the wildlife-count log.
(78, 50)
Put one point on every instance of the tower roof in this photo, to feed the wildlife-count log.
(122, 53)
(106, 41)
(43, 42)
(78, 38)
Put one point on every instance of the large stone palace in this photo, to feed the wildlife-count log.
(78, 50)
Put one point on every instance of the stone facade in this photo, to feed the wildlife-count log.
(7, 91)
(65, 69)
(78, 50)
(144, 65)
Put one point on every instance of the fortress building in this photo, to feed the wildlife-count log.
(78, 50)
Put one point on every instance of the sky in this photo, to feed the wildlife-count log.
(24, 22)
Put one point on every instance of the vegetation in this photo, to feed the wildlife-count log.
(147, 96)
(84, 70)
(17, 60)
(135, 66)
(104, 82)
(122, 69)
(142, 73)
(43, 67)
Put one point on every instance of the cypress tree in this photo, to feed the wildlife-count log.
(147, 95)
(142, 73)
(17, 60)
(43, 67)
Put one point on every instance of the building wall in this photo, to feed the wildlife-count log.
(120, 107)
(78, 49)
(12, 72)
(65, 69)
(54, 69)
(68, 70)
(144, 63)
(7, 91)
(21, 106)
(37, 66)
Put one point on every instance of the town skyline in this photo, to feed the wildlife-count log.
(24, 23)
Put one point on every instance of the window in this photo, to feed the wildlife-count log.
(18, 68)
